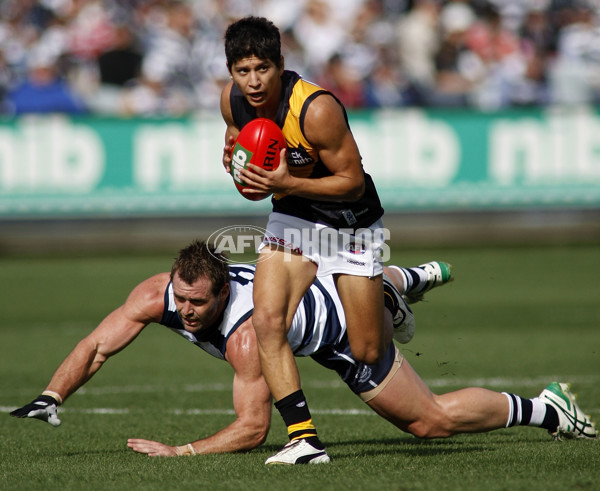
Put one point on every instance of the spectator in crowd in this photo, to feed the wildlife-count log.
(457, 68)
(387, 85)
(372, 53)
(418, 42)
(497, 48)
(170, 68)
(43, 91)
(5, 81)
(344, 81)
(118, 71)
(575, 77)
(538, 31)
(319, 34)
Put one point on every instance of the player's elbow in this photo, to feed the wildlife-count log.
(90, 350)
(260, 437)
(256, 435)
(356, 191)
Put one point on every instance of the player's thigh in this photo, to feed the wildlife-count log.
(362, 299)
(281, 279)
(406, 399)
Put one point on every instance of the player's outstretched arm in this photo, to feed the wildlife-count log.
(251, 402)
(115, 332)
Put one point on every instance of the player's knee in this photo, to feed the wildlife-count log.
(427, 429)
(265, 320)
(432, 423)
(368, 353)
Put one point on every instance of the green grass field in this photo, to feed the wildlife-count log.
(514, 319)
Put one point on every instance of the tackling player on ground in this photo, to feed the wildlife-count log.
(210, 305)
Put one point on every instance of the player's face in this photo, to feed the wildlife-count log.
(197, 305)
(259, 81)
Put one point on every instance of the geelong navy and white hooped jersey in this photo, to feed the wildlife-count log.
(239, 308)
(319, 320)
(318, 329)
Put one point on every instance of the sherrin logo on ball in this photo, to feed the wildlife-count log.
(259, 143)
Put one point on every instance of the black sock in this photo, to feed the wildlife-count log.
(296, 415)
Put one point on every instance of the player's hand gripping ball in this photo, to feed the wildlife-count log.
(259, 143)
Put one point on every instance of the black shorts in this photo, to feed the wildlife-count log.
(361, 378)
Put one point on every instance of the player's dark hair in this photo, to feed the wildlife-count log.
(252, 36)
(201, 260)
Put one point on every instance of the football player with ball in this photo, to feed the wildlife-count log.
(326, 218)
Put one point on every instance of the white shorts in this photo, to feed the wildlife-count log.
(357, 252)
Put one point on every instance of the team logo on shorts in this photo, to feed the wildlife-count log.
(365, 374)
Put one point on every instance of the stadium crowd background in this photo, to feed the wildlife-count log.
(165, 57)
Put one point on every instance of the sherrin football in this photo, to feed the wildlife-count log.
(260, 142)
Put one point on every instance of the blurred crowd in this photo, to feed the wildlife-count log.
(165, 57)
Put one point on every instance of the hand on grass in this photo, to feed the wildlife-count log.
(151, 448)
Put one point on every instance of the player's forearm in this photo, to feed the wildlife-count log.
(235, 438)
(329, 188)
(75, 370)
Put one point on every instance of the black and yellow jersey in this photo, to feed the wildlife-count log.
(303, 159)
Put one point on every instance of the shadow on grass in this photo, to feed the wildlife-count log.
(100, 452)
(409, 446)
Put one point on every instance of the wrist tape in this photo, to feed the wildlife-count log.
(54, 395)
(185, 450)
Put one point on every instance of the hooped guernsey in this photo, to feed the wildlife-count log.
(318, 329)
(303, 159)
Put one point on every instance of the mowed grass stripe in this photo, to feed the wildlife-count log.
(491, 382)
(199, 412)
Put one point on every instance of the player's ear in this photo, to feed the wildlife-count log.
(282, 64)
(224, 291)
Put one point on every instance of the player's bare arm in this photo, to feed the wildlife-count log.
(251, 402)
(232, 131)
(325, 127)
(115, 332)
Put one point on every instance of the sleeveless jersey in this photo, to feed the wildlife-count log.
(319, 320)
(318, 329)
(303, 159)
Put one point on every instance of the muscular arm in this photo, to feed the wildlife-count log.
(251, 402)
(232, 131)
(143, 306)
(325, 127)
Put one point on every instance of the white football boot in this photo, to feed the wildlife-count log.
(298, 452)
(439, 273)
(573, 422)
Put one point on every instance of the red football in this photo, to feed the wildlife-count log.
(259, 143)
